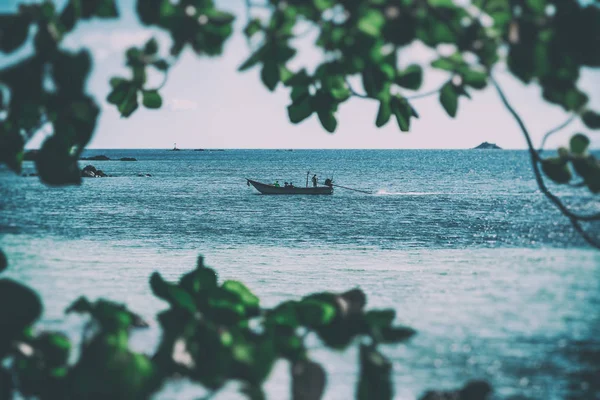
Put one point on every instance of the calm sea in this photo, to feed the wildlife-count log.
(460, 243)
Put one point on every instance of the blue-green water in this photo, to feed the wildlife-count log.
(460, 243)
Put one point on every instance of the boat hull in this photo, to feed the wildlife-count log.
(270, 189)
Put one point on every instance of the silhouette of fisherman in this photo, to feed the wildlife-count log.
(314, 180)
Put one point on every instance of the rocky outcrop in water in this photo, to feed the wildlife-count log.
(488, 146)
(473, 390)
(127, 159)
(89, 171)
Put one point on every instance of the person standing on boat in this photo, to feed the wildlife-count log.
(314, 180)
(276, 184)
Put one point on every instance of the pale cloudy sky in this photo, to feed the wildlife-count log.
(208, 104)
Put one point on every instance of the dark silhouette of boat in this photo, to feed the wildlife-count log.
(265, 188)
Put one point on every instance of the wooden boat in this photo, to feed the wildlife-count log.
(272, 189)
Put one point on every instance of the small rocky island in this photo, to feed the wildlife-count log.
(488, 146)
(102, 157)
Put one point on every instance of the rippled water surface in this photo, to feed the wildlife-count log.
(460, 243)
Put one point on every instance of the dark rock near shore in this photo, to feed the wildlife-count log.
(144, 175)
(89, 171)
(127, 159)
(488, 146)
(473, 390)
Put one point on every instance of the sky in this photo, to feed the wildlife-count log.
(209, 104)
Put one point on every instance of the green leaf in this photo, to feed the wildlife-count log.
(371, 22)
(285, 74)
(579, 143)
(152, 99)
(3, 261)
(442, 3)
(14, 30)
(253, 27)
(375, 81)
(55, 163)
(453, 63)
(475, 79)
(300, 78)
(174, 295)
(99, 8)
(121, 88)
(308, 380)
(411, 77)
(151, 47)
(130, 103)
(591, 119)
(314, 313)
(161, 65)
(152, 11)
(375, 375)
(25, 308)
(199, 280)
(11, 147)
(557, 169)
(575, 99)
(285, 314)
(323, 5)
(300, 109)
(327, 120)
(589, 169)
(115, 82)
(218, 17)
(380, 318)
(538, 6)
(253, 392)
(394, 334)
(449, 99)
(55, 348)
(248, 299)
(403, 112)
(6, 384)
(270, 75)
(299, 92)
(384, 113)
(443, 63)
(336, 86)
(254, 59)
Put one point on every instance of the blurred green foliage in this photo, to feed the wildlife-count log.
(212, 333)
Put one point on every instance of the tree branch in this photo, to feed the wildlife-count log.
(423, 95)
(535, 160)
(355, 93)
(553, 131)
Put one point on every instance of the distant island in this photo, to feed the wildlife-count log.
(102, 157)
(488, 146)
(209, 150)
